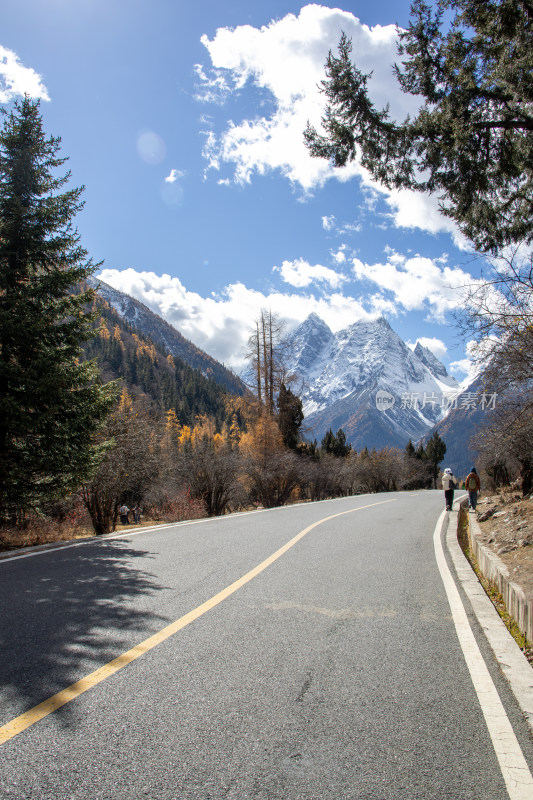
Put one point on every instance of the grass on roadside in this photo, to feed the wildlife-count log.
(463, 535)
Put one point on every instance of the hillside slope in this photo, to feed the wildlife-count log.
(145, 321)
(146, 370)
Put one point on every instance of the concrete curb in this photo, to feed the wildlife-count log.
(511, 660)
(519, 603)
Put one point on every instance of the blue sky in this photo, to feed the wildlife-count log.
(184, 121)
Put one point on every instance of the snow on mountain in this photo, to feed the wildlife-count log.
(366, 380)
(309, 342)
(430, 360)
(150, 324)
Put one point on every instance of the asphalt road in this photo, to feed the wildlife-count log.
(333, 673)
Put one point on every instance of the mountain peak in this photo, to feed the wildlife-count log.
(310, 343)
(313, 321)
(430, 360)
(345, 372)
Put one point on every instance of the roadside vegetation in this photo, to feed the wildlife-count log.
(175, 471)
(94, 416)
(492, 591)
(96, 421)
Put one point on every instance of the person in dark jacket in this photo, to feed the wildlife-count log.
(472, 486)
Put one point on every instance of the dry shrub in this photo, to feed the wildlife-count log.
(173, 508)
(58, 522)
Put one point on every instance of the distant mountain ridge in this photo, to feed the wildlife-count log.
(367, 381)
(141, 318)
(364, 379)
(469, 413)
(147, 371)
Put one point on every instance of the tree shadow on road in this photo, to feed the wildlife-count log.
(63, 616)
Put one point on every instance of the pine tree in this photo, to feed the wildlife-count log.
(410, 451)
(435, 452)
(51, 403)
(328, 442)
(335, 443)
(471, 143)
(290, 416)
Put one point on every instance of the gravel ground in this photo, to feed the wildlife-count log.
(508, 531)
(506, 522)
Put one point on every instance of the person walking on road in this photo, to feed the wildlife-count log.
(449, 483)
(124, 511)
(472, 486)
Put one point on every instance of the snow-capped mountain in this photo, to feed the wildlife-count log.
(367, 381)
(150, 324)
(430, 360)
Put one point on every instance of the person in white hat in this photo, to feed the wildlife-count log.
(449, 483)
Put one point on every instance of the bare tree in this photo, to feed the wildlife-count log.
(379, 470)
(505, 442)
(212, 475)
(267, 356)
(498, 313)
(129, 466)
(272, 480)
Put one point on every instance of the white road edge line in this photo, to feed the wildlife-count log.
(511, 659)
(39, 550)
(513, 766)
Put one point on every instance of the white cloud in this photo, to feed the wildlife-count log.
(300, 273)
(329, 223)
(286, 60)
(212, 88)
(340, 256)
(418, 210)
(472, 365)
(17, 80)
(221, 324)
(383, 307)
(351, 227)
(174, 175)
(463, 368)
(418, 283)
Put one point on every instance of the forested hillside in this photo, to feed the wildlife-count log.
(144, 368)
(144, 321)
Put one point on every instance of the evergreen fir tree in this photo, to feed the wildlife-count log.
(290, 416)
(470, 63)
(51, 403)
(335, 444)
(327, 445)
(435, 452)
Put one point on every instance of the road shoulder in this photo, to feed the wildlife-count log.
(514, 665)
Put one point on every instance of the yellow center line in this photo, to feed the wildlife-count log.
(38, 712)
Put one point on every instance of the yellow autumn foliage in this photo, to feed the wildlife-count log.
(262, 439)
